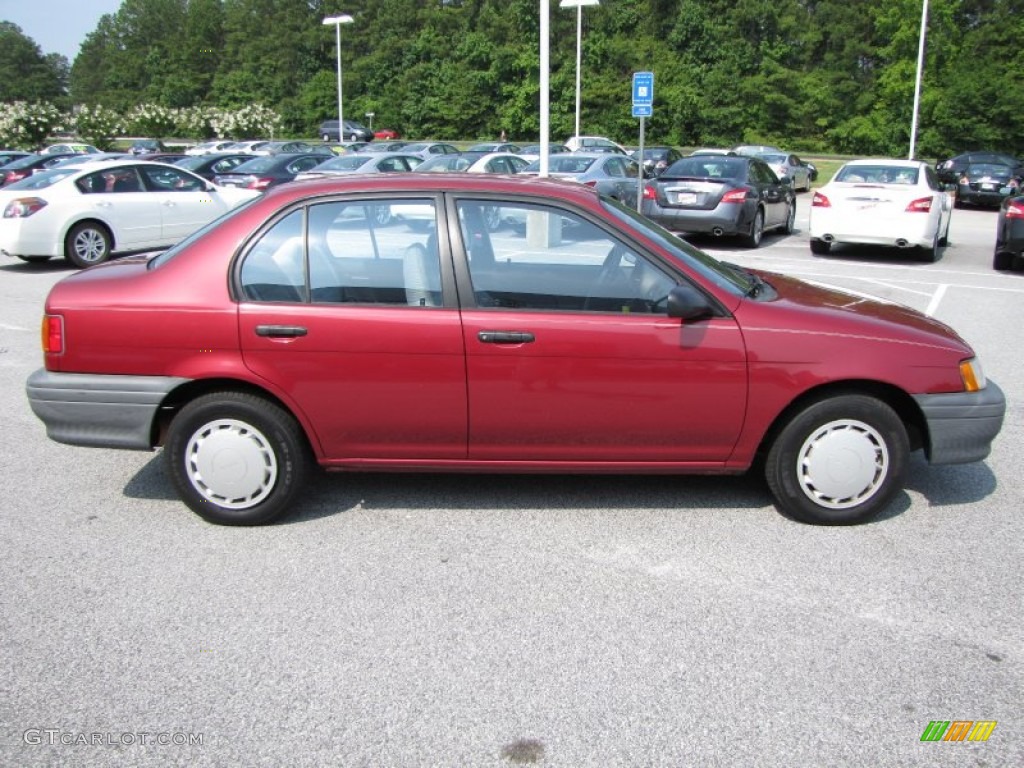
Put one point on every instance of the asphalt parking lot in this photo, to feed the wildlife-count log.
(495, 621)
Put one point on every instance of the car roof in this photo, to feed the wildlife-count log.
(419, 183)
(899, 163)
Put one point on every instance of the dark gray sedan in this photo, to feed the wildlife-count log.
(721, 195)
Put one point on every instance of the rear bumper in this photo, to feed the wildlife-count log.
(863, 230)
(730, 218)
(962, 425)
(99, 411)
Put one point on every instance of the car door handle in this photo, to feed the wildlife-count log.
(281, 331)
(169, 203)
(505, 337)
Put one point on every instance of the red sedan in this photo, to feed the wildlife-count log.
(307, 329)
(386, 133)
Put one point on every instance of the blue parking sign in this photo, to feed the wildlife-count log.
(643, 89)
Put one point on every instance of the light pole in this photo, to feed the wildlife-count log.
(337, 21)
(578, 5)
(917, 80)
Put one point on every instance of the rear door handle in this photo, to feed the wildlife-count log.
(505, 337)
(281, 331)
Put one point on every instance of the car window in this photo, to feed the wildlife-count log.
(360, 252)
(41, 180)
(303, 164)
(222, 166)
(274, 267)
(164, 179)
(353, 253)
(878, 174)
(553, 260)
(614, 167)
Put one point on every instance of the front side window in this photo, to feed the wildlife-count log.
(550, 259)
(165, 179)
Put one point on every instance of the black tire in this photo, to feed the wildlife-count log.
(492, 218)
(1002, 261)
(930, 255)
(87, 244)
(232, 431)
(820, 247)
(861, 437)
(753, 238)
(790, 225)
(34, 259)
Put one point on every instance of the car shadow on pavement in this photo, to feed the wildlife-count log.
(51, 265)
(332, 493)
(335, 493)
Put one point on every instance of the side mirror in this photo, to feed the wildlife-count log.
(687, 303)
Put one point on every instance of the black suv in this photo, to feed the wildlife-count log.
(353, 131)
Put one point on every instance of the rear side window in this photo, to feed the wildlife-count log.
(353, 252)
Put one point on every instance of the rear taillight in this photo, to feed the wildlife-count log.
(53, 334)
(259, 183)
(921, 205)
(735, 196)
(13, 176)
(649, 193)
(820, 201)
(1015, 211)
(590, 183)
(23, 207)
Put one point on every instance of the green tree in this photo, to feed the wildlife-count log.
(25, 73)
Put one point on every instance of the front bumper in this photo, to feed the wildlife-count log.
(97, 410)
(962, 425)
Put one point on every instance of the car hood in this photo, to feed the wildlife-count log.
(820, 309)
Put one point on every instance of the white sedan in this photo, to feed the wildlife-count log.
(87, 212)
(898, 203)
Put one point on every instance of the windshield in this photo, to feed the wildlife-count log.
(564, 164)
(732, 279)
(258, 165)
(344, 163)
(42, 180)
(442, 164)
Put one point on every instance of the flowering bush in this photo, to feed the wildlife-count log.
(252, 120)
(98, 125)
(25, 125)
(151, 120)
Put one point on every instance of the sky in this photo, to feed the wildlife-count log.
(57, 26)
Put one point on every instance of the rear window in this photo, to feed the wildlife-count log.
(708, 166)
(43, 179)
(878, 174)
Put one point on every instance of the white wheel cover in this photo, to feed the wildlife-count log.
(231, 464)
(842, 464)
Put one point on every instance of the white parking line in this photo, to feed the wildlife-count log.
(934, 303)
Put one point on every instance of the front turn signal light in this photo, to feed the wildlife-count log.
(972, 375)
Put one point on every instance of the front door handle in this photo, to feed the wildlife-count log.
(505, 337)
(281, 331)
